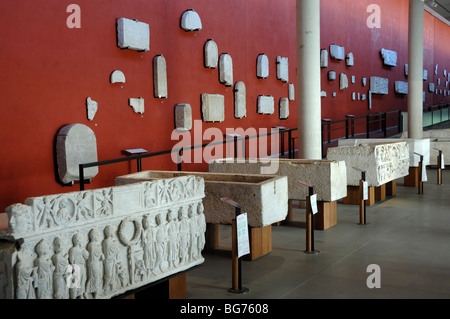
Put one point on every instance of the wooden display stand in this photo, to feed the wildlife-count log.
(172, 288)
(354, 196)
(391, 188)
(325, 218)
(260, 240)
(380, 192)
(413, 178)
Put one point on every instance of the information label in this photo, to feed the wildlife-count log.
(424, 174)
(313, 199)
(243, 242)
(442, 162)
(365, 190)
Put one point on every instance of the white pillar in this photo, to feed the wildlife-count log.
(309, 110)
(415, 69)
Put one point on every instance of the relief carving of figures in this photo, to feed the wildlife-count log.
(84, 205)
(176, 190)
(60, 262)
(24, 278)
(172, 231)
(201, 229)
(149, 243)
(111, 252)
(65, 212)
(150, 195)
(44, 272)
(193, 229)
(46, 211)
(19, 218)
(184, 234)
(105, 198)
(94, 264)
(78, 256)
(161, 243)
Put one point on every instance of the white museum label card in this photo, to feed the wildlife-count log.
(313, 199)
(243, 242)
(365, 190)
(442, 162)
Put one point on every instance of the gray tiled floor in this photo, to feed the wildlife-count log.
(408, 236)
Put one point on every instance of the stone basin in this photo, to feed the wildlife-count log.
(382, 163)
(263, 198)
(327, 176)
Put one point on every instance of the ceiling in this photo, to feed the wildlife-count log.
(439, 8)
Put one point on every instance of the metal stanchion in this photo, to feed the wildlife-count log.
(236, 267)
(440, 166)
(363, 195)
(310, 211)
(421, 174)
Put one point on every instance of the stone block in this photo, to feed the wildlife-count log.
(266, 104)
(337, 52)
(137, 104)
(226, 69)
(190, 21)
(211, 54)
(329, 178)
(110, 240)
(263, 197)
(213, 107)
(401, 87)
(379, 85)
(282, 69)
(284, 108)
(382, 162)
(240, 100)
(183, 117)
(389, 57)
(133, 35)
(420, 146)
(159, 77)
(262, 66)
(75, 144)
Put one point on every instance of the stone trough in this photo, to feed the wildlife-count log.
(102, 243)
(328, 177)
(263, 198)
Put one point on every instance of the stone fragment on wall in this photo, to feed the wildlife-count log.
(213, 107)
(389, 57)
(137, 104)
(183, 117)
(291, 92)
(262, 66)
(133, 35)
(350, 60)
(431, 87)
(91, 108)
(190, 21)
(337, 52)
(379, 85)
(343, 81)
(401, 87)
(324, 58)
(159, 77)
(240, 100)
(282, 69)
(226, 69)
(75, 144)
(117, 76)
(331, 75)
(211, 54)
(284, 108)
(266, 104)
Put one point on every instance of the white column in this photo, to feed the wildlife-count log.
(415, 69)
(309, 110)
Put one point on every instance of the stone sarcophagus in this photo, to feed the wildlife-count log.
(416, 146)
(101, 243)
(263, 198)
(381, 162)
(328, 177)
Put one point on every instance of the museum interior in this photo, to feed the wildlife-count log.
(234, 149)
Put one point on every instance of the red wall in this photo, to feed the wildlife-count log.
(48, 71)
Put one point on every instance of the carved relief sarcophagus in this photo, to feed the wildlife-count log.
(101, 243)
(381, 162)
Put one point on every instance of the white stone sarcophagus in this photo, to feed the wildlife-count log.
(101, 243)
(381, 162)
(328, 177)
(263, 198)
(416, 146)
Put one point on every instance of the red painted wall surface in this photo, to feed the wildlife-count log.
(48, 71)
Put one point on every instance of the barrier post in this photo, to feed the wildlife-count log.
(310, 211)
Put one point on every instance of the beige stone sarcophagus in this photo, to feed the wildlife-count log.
(263, 198)
(104, 242)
